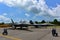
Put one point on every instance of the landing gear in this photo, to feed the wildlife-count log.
(13, 27)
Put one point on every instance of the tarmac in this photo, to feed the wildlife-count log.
(32, 34)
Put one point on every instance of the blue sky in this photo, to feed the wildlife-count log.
(35, 10)
(52, 3)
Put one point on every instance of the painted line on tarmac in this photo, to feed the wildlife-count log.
(10, 37)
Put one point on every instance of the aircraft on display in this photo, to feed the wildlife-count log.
(21, 25)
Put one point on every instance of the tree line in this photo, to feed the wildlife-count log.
(55, 21)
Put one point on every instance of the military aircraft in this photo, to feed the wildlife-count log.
(21, 25)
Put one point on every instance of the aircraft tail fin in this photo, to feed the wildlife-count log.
(12, 21)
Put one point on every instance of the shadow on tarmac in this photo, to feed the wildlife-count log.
(20, 29)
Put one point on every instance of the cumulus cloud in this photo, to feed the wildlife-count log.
(1, 0)
(56, 10)
(4, 14)
(30, 5)
(38, 7)
(26, 14)
(4, 19)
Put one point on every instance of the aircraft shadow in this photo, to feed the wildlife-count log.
(20, 29)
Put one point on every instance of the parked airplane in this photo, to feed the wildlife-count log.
(21, 25)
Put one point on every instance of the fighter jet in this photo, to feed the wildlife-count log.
(21, 25)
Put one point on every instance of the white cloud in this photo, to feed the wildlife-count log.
(4, 19)
(26, 14)
(9, 3)
(39, 8)
(4, 14)
(30, 5)
(56, 10)
(1, 0)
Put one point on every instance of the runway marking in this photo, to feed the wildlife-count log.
(10, 37)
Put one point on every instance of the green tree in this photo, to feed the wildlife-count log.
(3, 23)
(36, 22)
(43, 21)
(55, 21)
(31, 22)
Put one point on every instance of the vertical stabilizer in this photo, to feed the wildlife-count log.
(12, 21)
(13, 24)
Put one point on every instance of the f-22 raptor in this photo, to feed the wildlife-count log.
(21, 25)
